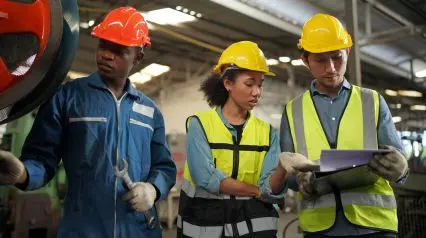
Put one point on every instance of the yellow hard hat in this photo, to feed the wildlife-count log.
(323, 33)
(244, 55)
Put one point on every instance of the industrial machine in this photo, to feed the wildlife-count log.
(38, 40)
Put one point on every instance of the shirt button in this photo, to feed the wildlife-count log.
(333, 118)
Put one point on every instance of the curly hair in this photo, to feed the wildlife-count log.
(214, 90)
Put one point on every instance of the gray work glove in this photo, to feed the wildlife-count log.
(305, 181)
(391, 166)
(141, 196)
(295, 162)
(11, 168)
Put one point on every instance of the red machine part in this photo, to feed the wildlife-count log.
(18, 17)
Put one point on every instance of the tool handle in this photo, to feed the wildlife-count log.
(127, 181)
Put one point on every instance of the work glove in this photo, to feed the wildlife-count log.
(11, 168)
(295, 162)
(141, 196)
(305, 181)
(391, 166)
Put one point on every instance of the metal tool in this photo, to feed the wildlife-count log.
(129, 183)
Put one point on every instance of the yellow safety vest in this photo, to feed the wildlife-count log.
(241, 161)
(204, 214)
(371, 206)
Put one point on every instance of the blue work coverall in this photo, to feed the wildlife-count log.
(90, 130)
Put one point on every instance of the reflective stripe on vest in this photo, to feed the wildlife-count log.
(371, 206)
(375, 200)
(197, 192)
(259, 224)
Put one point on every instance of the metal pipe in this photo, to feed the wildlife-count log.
(367, 19)
(354, 62)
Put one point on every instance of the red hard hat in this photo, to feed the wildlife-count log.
(124, 26)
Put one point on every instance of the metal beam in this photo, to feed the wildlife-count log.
(379, 6)
(259, 15)
(354, 61)
(288, 27)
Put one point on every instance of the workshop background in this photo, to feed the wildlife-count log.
(389, 55)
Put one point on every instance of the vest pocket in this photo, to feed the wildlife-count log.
(249, 176)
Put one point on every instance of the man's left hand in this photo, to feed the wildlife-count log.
(391, 166)
(141, 197)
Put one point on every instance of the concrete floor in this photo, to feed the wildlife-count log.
(284, 219)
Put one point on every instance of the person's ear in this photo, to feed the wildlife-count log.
(227, 83)
(139, 56)
(305, 60)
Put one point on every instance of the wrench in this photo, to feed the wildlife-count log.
(123, 174)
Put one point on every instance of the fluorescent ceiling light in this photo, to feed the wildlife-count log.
(155, 70)
(409, 93)
(74, 74)
(84, 25)
(139, 78)
(395, 106)
(284, 59)
(421, 74)
(168, 16)
(297, 62)
(418, 108)
(396, 119)
(272, 62)
(391, 92)
(91, 22)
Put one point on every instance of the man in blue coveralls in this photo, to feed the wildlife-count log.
(93, 123)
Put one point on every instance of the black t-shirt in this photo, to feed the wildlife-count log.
(239, 129)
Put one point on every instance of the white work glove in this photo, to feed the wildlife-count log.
(295, 162)
(141, 196)
(391, 166)
(11, 168)
(305, 181)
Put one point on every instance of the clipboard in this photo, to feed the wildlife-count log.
(345, 169)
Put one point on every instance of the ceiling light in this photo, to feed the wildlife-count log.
(418, 108)
(284, 59)
(396, 119)
(168, 16)
(395, 106)
(155, 70)
(297, 62)
(91, 22)
(185, 10)
(74, 74)
(272, 62)
(391, 92)
(409, 93)
(84, 25)
(179, 8)
(139, 78)
(199, 15)
(192, 13)
(421, 74)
